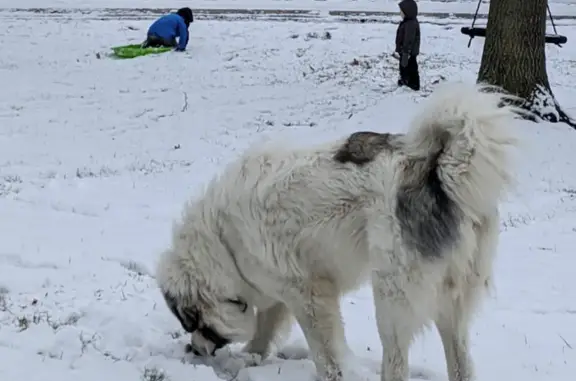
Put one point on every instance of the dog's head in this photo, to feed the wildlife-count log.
(206, 302)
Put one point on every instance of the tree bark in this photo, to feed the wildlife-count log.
(514, 56)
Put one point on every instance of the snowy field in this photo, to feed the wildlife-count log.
(98, 155)
(558, 7)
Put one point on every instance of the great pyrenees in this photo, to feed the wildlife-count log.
(286, 232)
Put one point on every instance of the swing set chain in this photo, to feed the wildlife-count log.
(478, 9)
(473, 22)
(551, 18)
(552, 21)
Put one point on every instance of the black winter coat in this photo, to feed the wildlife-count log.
(408, 33)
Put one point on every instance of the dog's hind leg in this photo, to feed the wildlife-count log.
(397, 325)
(318, 314)
(453, 326)
(462, 296)
(271, 324)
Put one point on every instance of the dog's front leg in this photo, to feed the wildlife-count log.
(321, 321)
(270, 325)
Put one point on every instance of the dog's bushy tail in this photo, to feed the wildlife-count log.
(457, 163)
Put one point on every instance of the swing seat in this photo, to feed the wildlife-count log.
(481, 32)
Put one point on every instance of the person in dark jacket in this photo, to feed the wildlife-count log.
(408, 44)
(163, 32)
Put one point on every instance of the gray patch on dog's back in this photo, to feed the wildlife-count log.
(363, 147)
(429, 219)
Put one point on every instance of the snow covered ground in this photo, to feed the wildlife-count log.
(558, 7)
(98, 155)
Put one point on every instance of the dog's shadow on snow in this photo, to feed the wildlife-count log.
(373, 367)
(228, 362)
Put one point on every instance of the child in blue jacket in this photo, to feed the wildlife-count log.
(163, 32)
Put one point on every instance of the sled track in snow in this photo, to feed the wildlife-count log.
(337, 16)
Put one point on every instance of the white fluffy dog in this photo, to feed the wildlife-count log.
(286, 232)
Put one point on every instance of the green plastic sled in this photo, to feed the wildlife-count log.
(133, 51)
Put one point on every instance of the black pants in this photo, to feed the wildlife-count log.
(154, 41)
(409, 75)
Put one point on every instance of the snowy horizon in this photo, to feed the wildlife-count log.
(98, 157)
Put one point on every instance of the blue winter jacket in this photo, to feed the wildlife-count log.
(169, 27)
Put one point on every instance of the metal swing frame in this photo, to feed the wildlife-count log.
(472, 31)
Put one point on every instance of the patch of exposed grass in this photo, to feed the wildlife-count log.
(135, 267)
(154, 374)
(25, 322)
(516, 221)
(3, 303)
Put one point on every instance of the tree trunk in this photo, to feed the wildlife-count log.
(514, 56)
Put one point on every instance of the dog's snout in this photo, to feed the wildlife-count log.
(197, 352)
(190, 349)
(205, 342)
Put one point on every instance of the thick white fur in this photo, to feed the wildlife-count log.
(290, 231)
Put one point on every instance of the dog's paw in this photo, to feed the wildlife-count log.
(231, 362)
(330, 376)
(254, 349)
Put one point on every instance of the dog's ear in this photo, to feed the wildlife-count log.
(187, 316)
(190, 319)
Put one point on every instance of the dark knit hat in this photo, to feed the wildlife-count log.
(186, 14)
